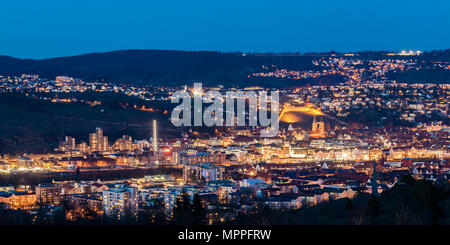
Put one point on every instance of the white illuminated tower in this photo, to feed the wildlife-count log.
(155, 137)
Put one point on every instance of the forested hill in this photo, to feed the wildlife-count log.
(155, 66)
(165, 67)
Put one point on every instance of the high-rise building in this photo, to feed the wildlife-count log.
(124, 144)
(205, 172)
(119, 200)
(97, 141)
(83, 147)
(170, 199)
(48, 194)
(68, 144)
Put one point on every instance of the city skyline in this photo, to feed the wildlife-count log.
(356, 135)
(207, 121)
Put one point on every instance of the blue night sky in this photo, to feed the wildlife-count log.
(43, 28)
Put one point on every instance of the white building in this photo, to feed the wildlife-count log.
(119, 200)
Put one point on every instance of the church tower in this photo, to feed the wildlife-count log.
(321, 127)
(314, 124)
(318, 128)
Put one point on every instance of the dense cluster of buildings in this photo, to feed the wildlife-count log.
(224, 191)
(322, 152)
(355, 70)
(40, 88)
(231, 174)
